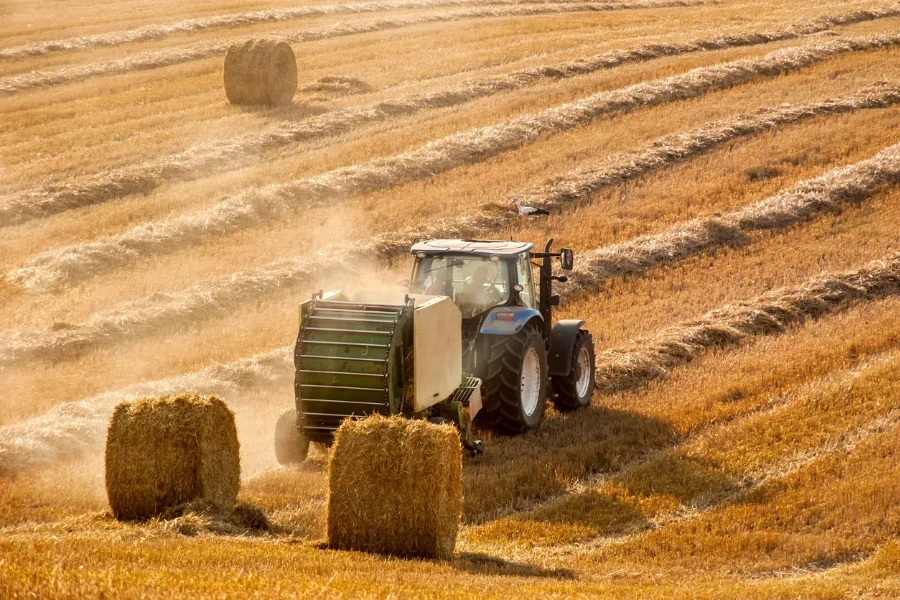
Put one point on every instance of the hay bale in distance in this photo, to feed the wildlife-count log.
(395, 487)
(260, 72)
(162, 452)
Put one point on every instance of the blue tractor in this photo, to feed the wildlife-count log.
(472, 340)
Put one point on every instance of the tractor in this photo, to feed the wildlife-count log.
(470, 341)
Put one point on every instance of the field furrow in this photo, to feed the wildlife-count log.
(846, 185)
(653, 358)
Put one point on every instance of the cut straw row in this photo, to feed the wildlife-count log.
(828, 193)
(654, 357)
(205, 159)
(156, 59)
(56, 268)
(160, 31)
(73, 429)
(805, 200)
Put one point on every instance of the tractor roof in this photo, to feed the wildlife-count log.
(475, 247)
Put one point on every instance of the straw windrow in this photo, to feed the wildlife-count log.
(156, 59)
(74, 429)
(156, 32)
(206, 159)
(803, 201)
(654, 357)
(56, 268)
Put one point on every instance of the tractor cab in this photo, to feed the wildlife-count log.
(477, 276)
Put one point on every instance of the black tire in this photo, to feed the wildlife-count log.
(503, 409)
(291, 446)
(566, 396)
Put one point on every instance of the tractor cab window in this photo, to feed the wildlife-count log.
(475, 283)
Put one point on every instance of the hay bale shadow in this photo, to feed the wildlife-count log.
(289, 113)
(484, 564)
(334, 85)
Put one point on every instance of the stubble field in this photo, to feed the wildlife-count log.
(726, 171)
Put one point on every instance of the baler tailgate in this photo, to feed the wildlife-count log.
(344, 362)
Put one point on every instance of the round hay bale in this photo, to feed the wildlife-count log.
(395, 487)
(260, 72)
(162, 452)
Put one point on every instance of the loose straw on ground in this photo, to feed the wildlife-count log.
(655, 356)
(56, 268)
(160, 31)
(205, 159)
(156, 59)
(74, 429)
(803, 201)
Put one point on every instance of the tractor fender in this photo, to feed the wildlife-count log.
(494, 325)
(562, 342)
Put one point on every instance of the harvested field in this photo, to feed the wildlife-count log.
(195, 161)
(177, 56)
(71, 264)
(152, 32)
(726, 173)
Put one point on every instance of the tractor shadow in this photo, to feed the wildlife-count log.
(666, 480)
(515, 472)
(483, 564)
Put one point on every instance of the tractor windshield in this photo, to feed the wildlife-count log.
(475, 283)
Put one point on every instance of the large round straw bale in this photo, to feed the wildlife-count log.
(260, 72)
(161, 452)
(395, 487)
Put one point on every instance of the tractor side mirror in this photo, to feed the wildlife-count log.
(567, 259)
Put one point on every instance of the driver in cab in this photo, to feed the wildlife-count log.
(478, 291)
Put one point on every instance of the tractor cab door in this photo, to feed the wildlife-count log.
(525, 280)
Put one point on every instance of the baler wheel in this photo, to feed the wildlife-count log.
(291, 446)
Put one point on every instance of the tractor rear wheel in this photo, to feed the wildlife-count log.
(574, 391)
(291, 446)
(516, 382)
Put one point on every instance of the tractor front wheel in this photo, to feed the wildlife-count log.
(516, 383)
(574, 391)
(291, 446)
